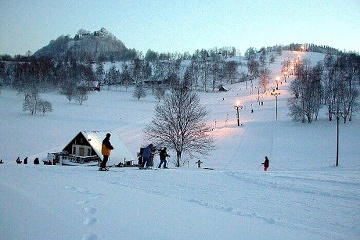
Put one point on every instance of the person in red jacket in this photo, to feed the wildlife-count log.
(266, 163)
(105, 151)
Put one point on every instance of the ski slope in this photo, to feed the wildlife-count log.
(302, 196)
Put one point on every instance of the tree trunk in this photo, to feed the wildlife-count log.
(178, 157)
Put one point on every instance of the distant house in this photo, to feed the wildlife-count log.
(223, 89)
(85, 149)
(90, 86)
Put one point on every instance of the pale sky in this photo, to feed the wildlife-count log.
(182, 25)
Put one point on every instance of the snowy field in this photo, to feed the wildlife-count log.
(302, 196)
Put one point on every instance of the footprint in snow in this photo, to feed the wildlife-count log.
(90, 210)
(90, 236)
(70, 188)
(82, 202)
(89, 221)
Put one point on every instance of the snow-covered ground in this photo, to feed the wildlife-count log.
(302, 196)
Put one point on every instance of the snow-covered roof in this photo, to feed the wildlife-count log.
(120, 152)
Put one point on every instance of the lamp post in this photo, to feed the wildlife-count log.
(275, 94)
(337, 113)
(237, 106)
(285, 76)
(292, 70)
(277, 79)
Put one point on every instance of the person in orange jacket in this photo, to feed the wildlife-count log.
(106, 150)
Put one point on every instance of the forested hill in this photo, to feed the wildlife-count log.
(99, 45)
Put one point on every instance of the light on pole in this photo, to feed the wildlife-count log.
(337, 113)
(285, 76)
(275, 94)
(237, 106)
(277, 80)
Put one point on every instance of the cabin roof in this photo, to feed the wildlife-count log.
(94, 140)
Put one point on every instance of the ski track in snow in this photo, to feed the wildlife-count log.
(297, 193)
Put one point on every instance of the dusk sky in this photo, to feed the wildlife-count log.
(182, 25)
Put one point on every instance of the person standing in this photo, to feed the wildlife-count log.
(163, 155)
(146, 155)
(105, 151)
(266, 163)
(199, 163)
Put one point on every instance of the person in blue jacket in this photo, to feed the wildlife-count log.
(146, 155)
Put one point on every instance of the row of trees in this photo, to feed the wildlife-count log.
(207, 71)
(197, 74)
(333, 83)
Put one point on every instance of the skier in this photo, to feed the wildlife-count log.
(105, 150)
(25, 160)
(18, 161)
(266, 163)
(199, 163)
(163, 155)
(146, 155)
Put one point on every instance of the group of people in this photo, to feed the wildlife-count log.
(18, 160)
(145, 157)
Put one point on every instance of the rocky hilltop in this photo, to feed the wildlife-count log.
(99, 45)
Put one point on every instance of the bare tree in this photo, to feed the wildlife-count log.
(68, 89)
(195, 74)
(264, 75)
(307, 93)
(34, 104)
(31, 102)
(230, 70)
(250, 53)
(159, 92)
(205, 68)
(179, 123)
(253, 70)
(125, 76)
(139, 92)
(44, 106)
(81, 94)
(340, 88)
(99, 74)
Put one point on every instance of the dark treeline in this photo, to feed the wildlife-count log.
(203, 70)
(333, 83)
(165, 69)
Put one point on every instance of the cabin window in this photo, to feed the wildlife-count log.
(81, 150)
